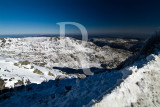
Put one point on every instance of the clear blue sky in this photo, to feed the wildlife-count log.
(41, 16)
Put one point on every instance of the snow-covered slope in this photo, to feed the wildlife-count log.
(140, 89)
(135, 85)
(42, 53)
(142, 86)
(61, 52)
(16, 73)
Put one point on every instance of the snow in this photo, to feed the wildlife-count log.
(25, 73)
(60, 52)
(135, 85)
(141, 88)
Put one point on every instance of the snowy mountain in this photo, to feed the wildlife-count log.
(134, 85)
(61, 52)
(36, 57)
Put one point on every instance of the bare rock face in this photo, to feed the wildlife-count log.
(152, 45)
(133, 45)
(61, 52)
(2, 84)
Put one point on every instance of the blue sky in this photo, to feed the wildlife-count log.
(98, 16)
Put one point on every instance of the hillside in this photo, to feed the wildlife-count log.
(16, 73)
(61, 52)
(135, 85)
(32, 59)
